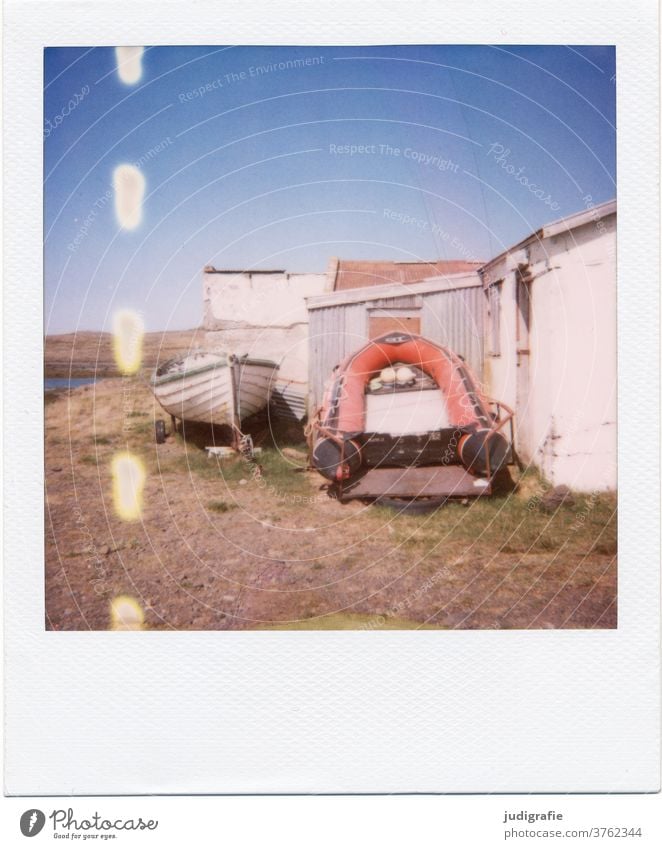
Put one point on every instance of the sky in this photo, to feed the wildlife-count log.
(283, 157)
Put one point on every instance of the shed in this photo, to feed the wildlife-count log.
(449, 310)
(551, 346)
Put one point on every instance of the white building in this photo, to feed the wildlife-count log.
(263, 313)
(550, 346)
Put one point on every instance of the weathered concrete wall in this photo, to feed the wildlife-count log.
(566, 410)
(261, 314)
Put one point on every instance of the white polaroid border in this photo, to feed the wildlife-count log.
(316, 712)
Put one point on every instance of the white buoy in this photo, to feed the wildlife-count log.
(404, 375)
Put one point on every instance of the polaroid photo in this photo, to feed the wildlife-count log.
(331, 438)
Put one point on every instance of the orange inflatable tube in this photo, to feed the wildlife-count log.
(345, 404)
(337, 449)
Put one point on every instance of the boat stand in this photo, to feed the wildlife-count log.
(413, 482)
(242, 443)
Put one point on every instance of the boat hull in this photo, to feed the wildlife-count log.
(213, 389)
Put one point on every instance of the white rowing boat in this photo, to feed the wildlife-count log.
(218, 389)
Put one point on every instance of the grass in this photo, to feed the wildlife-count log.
(282, 473)
(143, 428)
(90, 460)
(220, 506)
(51, 396)
(269, 470)
(349, 622)
(511, 524)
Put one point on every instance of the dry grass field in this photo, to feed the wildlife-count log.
(90, 353)
(220, 545)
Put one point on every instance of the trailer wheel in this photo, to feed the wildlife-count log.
(413, 506)
(160, 431)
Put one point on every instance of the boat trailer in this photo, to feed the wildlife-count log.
(402, 470)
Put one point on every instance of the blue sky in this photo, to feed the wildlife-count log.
(253, 158)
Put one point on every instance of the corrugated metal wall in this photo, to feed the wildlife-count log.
(403, 303)
(334, 332)
(453, 318)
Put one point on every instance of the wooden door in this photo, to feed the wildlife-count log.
(390, 321)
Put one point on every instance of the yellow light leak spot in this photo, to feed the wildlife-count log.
(128, 482)
(126, 614)
(129, 187)
(128, 332)
(129, 64)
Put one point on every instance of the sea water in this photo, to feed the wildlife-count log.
(66, 382)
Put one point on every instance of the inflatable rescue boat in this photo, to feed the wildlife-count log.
(405, 401)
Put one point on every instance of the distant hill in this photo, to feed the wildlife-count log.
(90, 353)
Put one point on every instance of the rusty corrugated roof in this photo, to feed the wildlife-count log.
(355, 274)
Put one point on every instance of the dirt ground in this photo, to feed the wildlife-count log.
(219, 546)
